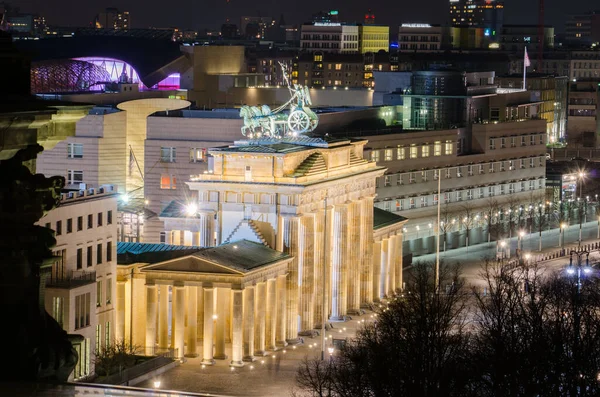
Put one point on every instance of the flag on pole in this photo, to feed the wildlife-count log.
(527, 62)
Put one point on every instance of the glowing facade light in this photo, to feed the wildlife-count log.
(191, 209)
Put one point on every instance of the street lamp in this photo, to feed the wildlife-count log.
(330, 350)
(563, 226)
(156, 384)
(581, 175)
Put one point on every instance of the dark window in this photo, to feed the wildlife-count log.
(58, 228)
(79, 223)
(99, 254)
(109, 218)
(90, 221)
(79, 258)
(69, 225)
(89, 256)
(109, 251)
(48, 225)
(99, 218)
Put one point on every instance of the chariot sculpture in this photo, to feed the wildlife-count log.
(291, 119)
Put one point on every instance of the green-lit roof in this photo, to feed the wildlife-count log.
(175, 209)
(128, 253)
(233, 258)
(383, 218)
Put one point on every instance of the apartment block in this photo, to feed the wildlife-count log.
(81, 288)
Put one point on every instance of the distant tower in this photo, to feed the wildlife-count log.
(369, 18)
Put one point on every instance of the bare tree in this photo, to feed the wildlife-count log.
(536, 334)
(446, 224)
(418, 346)
(467, 220)
(491, 218)
(116, 357)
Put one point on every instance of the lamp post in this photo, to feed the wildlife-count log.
(581, 175)
(562, 237)
(330, 350)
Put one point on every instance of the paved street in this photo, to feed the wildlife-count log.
(471, 258)
(272, 375)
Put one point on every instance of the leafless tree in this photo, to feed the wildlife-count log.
(467, 220)
(418, 346)
(491, 218)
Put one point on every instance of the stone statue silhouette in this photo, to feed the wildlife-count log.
(35, 346)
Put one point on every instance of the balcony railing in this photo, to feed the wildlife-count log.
(73, 279)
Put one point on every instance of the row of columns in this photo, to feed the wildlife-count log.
(348, 257)
(253, 319)
(204, 237)
(387, 266)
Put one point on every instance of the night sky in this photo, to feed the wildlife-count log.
(200, 14)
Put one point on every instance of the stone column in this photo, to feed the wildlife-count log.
(192, 321)
(271, 320)
(163, 316)
(195, 239)
(319, 263)
(205, 221)
(367, 252)
(384, 272)
(151, 316)
(280, 334)
(306, 271)
(377, 271)
(288, 226)
(392, 265)
(249, 323)
(259, 324)
(354, 260)
(120, 318)
(207, 343)
(399, 264)
(179, 316)
(200, 313)
(236, 325)
(222, 303)
(339, 257)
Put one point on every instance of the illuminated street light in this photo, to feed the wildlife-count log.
(156, 384)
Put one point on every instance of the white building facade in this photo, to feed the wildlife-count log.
(81, 288)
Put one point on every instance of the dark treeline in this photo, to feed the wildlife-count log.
(529, 334)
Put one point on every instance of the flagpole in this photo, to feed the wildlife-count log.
(525, 69)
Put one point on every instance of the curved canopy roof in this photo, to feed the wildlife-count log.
(153, 59)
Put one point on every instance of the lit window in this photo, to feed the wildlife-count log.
(448, 148)
(400, 152)
(375, 156)
(437, 148)
(197, 155)
(387, 181)
(425, 151)
(168, 182)
(413, 151)
(389, 154)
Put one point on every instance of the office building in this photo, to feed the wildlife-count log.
(419, 37)
(373, 38)
(113, 19)
(516, 37)
(583, 127)
(331, 37)
(583, 29)
(486, 14)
